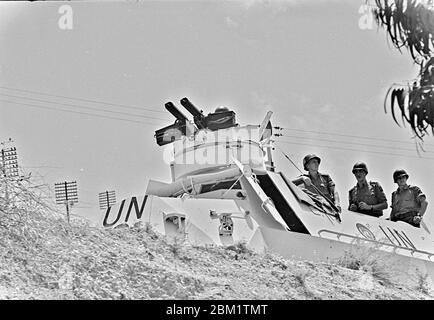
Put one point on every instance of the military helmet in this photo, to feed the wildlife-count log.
(360, 166)
(399, 173)
(309, 157)
(221, 109)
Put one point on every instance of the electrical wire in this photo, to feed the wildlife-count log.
(347, 135)
(76, 112)
(154, 118)
(352, 143)
(38, 167)
(83, 107)
(357, 150)
(85, 100)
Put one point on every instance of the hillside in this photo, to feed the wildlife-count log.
(44, 257)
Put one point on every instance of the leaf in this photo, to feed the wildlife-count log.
(385, 100)
(395, 94)
(412, 26)
(413, 124)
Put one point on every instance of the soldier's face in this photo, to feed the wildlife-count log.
(360, 175)
(313, 165)
(401, 181)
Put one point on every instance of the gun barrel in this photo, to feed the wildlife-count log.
(191, 108)
(175, 111)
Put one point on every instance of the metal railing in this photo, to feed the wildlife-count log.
(412, 250)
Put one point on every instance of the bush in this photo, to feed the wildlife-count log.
(240, 247)
(369, 259)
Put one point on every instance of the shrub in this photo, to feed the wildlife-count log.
(422, 283)
(369, 259)
(240, 247)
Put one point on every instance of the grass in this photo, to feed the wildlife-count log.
(369, 259)
(42, 256)
(300, 277)
(422, 283)
(176, 244)
(240, 247)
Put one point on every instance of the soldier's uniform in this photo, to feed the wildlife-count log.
(323, 182)
(406, 204)
(371, 193)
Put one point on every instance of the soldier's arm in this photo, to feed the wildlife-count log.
(302, 182)
(299, 180)
(423, 206)
(332, 190)
(418, 194)
(336, 196)
(420, 198)
(392, 212)
(381, 197)
(352, 204)
(379, 206)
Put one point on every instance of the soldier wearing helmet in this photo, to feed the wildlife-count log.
(408, 202)
(364, 197)
(316, 182)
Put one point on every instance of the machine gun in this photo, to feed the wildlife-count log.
(174, 131)
(175, 112)
(221, 118)
(198, 117)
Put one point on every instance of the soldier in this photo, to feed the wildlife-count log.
(364, 197)
(316, 182)
(408, 202)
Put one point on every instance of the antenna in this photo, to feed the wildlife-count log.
(66, 193)
(8, 164)
(106, 199)
(8, 160)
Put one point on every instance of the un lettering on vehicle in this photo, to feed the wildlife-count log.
(139, 209)
(395, 237)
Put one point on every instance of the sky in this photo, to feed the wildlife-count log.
(82, 104)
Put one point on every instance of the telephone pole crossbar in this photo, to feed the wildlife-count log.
(66, 193)
(8, 165)
(9, 162)
(106, 199)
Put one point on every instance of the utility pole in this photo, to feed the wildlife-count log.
(66, 193)
(9, 164)
(106, 199)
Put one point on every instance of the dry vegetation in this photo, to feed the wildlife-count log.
(44, 257)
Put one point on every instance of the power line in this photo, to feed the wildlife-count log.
(86, 100)
(352, 143)
(38, 167)
(83, 107)
(347, 135)
(358, 150)
(77, 112)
